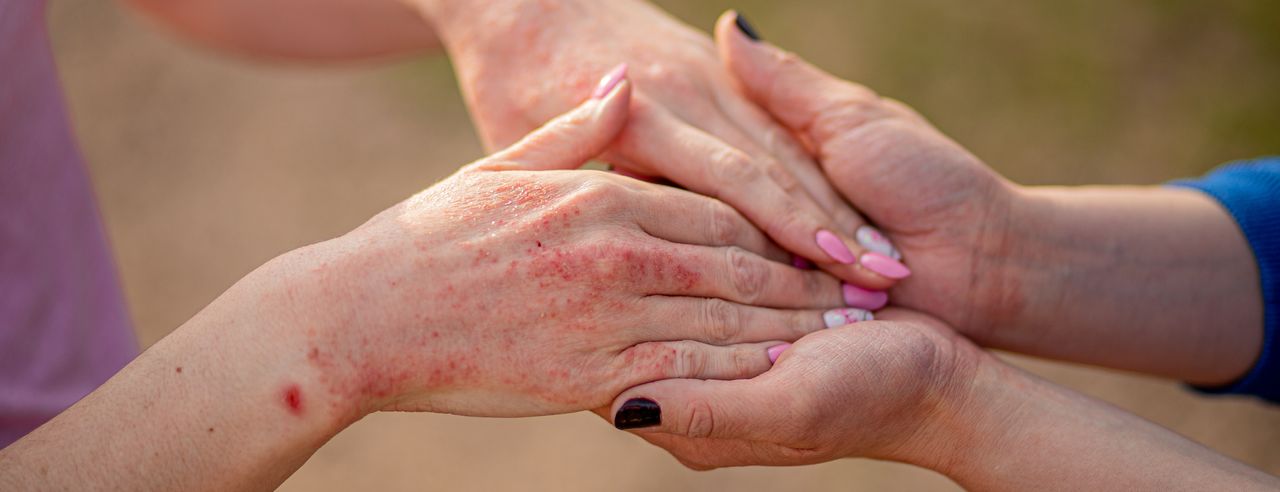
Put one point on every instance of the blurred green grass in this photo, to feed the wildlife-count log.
(1046, 92)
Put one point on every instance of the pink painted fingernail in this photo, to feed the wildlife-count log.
(801, 263)
(609, 81)
(833, 246)
(846, 316)
(859, 297)
(776, 351)
(885, 265)
(872, 239)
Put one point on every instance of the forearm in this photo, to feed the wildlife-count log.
(310, 30)
(1014, 431)
(1156, 280)
(226, 402)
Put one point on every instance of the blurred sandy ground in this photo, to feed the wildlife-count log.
(207, 166)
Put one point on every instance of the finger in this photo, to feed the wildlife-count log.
(799, 95)
(780, 143)
(765, 134)
(761, 190)
(750, 409)
(737, 275)
(687, 359)
(689, 218)
(571, 139)
(720, 322)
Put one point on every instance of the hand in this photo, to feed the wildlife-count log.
(880, 389)
(906, 388)
(511, 290)
(1149, 279)
(520, 62)
(943, 207)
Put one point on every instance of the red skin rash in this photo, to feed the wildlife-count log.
(292, 399)
(356, 365)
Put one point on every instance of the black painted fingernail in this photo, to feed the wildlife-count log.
(745, 27)
(637, 413)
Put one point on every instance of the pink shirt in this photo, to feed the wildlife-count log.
(64, 328)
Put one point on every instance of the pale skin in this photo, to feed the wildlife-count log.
(989, 416)
(521, 62)
(1149, 279)
(508, 289)
(1084, 274)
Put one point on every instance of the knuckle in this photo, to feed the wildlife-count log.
(745, 362)
(783, 178)
(721, 321)
(687, 361)
(598, 193)
(851, 111)
(746, 275)
(700, 421)
(791, 222)
(730, 166)
(671, 79)
(724, 226)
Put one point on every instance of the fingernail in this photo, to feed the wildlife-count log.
(776, 351)
(834, 247)
(637, 413)
(846, 316)
(801, 263)
(609, 81)
(872, 239)
(745, 27)
(885, 265)
(859, 297)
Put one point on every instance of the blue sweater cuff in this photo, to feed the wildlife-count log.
(1250, 191)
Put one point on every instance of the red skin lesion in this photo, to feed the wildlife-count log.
(291, 397)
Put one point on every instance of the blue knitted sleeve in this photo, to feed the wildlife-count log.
(1250, 191)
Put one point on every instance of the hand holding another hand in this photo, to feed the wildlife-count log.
(521, 62)
(514, 289)
(882, 389)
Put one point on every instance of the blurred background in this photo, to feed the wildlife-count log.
(208, 166)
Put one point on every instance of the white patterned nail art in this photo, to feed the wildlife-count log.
(872, 239)
(846, 316)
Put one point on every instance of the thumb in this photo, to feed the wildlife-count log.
(738, 409)
(799, 95)
(571, 139)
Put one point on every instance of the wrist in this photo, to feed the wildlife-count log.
(305, 302)
(999, 270)
(955, 372)
(968, 420)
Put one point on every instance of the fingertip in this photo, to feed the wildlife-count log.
(738, 50)
(614, 108)
(574, 137)
(637, 413)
